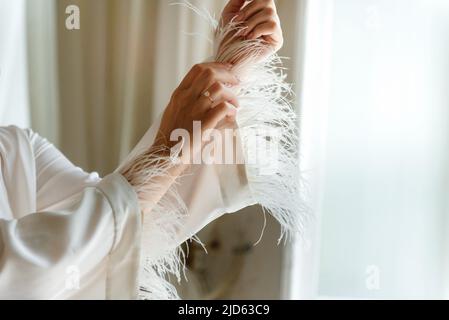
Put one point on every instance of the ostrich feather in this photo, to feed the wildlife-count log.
(266, 106)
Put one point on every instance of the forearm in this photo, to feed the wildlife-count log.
(151, 174)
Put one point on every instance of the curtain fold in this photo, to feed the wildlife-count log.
(115, 74)
(14, 101)
(42, 65)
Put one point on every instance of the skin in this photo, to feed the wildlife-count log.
(259, 19)
(188, 103)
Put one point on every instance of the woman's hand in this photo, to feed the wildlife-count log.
(152, 173)
(202, 96)
(260, 20)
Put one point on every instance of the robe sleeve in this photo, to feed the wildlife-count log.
(53, 172)
(93, 225)
(39, 252)
(70, 233)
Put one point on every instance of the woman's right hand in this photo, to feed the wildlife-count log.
(205, 96)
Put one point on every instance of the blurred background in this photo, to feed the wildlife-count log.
(372, 84)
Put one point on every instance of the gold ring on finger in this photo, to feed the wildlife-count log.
(208, 96)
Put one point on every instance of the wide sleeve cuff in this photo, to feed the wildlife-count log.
(235, 190)
(124, 259)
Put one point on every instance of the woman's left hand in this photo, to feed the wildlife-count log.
(260, 19)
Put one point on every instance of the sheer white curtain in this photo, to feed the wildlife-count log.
(375, 138)
(13, 64)
(96, 90)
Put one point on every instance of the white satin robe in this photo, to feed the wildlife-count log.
(68, 234)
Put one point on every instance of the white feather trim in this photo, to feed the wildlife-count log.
(266, 109)
(160, 256)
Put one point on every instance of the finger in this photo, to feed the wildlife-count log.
(262, 16)
(210, 76)
(197, 69)
(253, 7)
(219, 93)
(233, 6)
(219, 113)
(265, 29)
